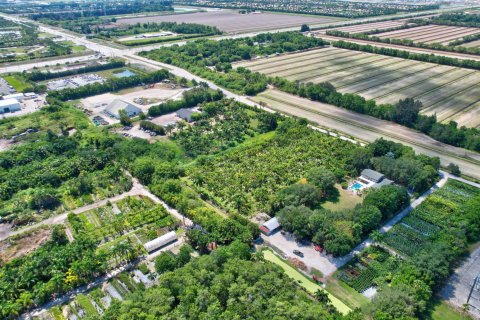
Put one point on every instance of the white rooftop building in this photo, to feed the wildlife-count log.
(17, 96)
(114, 108)
(9, 105)
(160, 241)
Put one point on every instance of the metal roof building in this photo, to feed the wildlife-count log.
(116, 105)
(9, 105)
(160, 241)
(372, 175)
(270, 226)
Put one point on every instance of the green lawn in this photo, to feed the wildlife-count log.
(348, 295)
(442, 311)
(346, 200)
(16, 82)
(306, 283)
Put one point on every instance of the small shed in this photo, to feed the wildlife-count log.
(270, 226)
(114, 108)
(372, 175)
(9, 105)
(160, 242)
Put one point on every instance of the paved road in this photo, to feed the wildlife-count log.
(137, 189)
(458, 288)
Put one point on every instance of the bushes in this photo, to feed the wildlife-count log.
(150, 126)
(388, 199)
(190, 98)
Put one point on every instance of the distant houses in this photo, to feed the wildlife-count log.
(115, 107)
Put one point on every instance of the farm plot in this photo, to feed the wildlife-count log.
(372, 263)
(442, 210)
(122, 218)
(431, 34)
(372, 26)
(450, 92)
(232, 22)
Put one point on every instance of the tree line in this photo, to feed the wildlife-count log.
(406, 112)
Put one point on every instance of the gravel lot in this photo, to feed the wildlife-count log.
(312, 259)
(232, 22)
(458, 288)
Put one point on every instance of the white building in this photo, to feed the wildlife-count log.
(9, 105)
(114, 108)
(160, 241)
(17, 96)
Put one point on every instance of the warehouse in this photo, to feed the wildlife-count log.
(117, 105)
(9, 105)
(17, 96)
(160, 242)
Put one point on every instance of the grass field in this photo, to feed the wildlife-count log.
(17, 83)
(449, 92)
(443, 311)
(310, 286)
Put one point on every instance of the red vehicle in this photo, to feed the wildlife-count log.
(318, 248)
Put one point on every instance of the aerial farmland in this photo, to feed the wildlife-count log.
(230, 21)
(431, 34)
(449, 92)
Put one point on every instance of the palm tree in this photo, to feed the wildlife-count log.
(322, 297)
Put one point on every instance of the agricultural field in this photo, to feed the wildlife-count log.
(450, 93)
(138, 215)
(430, 34)
(371, 27)
(94, 303)
(362, 271)
(442, 210)
(232, 22)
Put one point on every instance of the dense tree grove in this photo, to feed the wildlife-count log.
(226, 284)
(55, 171)
(405, 112)
(457, 19)
(202, 57)
(52, 269)
(112, 84)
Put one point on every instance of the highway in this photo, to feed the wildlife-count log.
(468, 161)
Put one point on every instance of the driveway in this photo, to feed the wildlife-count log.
(312, 259)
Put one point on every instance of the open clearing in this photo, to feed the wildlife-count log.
(231, 21)
(368, 128)
(372, 26)
(449, 92)
(431, 34)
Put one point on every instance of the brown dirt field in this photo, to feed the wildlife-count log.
(231, 21)
(15, 248)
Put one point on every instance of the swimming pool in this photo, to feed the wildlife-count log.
(124, 74)
(356, 186)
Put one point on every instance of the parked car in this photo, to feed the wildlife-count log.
(298, 253)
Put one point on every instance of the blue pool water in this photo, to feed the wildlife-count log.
(124, 74)
(356, 186)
